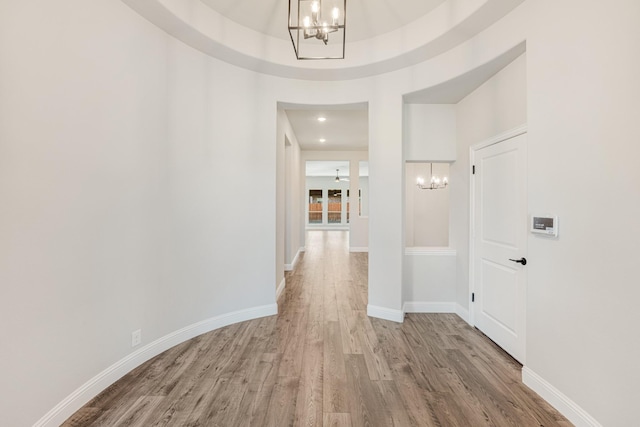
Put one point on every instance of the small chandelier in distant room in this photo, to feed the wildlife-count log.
(310, 30)
(434, 184)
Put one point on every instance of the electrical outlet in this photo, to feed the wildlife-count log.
(136, 337)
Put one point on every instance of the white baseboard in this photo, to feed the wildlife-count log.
(104, 379)
(429, 251)
(429, 307)
(567, 407)
(292, 266)
(436, 307)
(327, 227)
(358, 249)
(385, 313)
(280, 288)
(463, 313)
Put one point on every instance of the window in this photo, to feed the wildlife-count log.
(315, 206)
(334, 208)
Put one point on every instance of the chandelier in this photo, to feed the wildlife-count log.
(309, 29)
(434, 184)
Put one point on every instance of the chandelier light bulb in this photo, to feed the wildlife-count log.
(435, 182)
(320, 21)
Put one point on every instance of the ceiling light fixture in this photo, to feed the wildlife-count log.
(434, 184)
(323, 140)
(322, 119)
(338, 179)
(307, 28)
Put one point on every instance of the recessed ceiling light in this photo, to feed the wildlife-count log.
(322, 119)
(323, 140)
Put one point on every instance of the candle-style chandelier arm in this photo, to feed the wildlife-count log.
(434, 184)
(306, 22)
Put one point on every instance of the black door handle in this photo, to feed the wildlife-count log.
(522, 260)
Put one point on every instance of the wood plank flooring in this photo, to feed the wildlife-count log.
(323, 362)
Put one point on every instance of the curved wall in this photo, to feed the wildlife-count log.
(125, 158)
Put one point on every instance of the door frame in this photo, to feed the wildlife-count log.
(512, 133)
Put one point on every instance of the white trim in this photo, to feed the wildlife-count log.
(327, 227)
(385, 313)
(302, 249)
(429, 250)
(358, 249)
(511, 133)
(104, 379)
(463, 313)
(280, 288)
(429, 307)
(292, 266)
(472, 153)
(567, 407)
(436, 307)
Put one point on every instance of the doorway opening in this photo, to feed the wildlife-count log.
(337, 134)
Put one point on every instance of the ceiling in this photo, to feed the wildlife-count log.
(375, 17)
(328, 168)
(382, 35)
(345, 129)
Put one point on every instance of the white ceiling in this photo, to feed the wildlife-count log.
(382, 35)
(454, 90)
(344, 129)
(375, 17)
(328, 168)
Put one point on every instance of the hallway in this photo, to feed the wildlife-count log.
(323, 362)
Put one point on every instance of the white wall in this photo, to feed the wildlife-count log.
(294, 222)
(429, 274)
(119, 208)
(426, 211)
(429, 132)
(498, 105)
(583, 109)
(429, 136)
(430, 280)
(290, 204)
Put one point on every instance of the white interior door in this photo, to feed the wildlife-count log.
(499, 242)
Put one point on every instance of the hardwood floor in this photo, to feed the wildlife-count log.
(323, 362)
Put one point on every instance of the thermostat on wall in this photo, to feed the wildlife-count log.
(544, 224)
